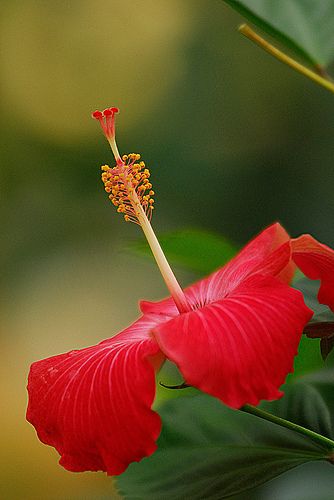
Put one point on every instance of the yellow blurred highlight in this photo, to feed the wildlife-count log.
(62, 60)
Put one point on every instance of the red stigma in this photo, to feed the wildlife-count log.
(107, 121)
(97, 114)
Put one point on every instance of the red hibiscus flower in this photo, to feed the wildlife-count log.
(233, 335)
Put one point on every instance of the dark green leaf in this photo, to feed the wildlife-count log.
(326, 346)
(304, 405)
(200, 251)
(322, 324)
(305, 26)
(323, 381)
(320, 329)
(207, 451)
(323, 331)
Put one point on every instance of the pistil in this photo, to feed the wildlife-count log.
(130, 190)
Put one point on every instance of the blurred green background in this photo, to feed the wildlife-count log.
(234, 141)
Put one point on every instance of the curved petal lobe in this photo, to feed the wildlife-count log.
(94, 405)
(316, 261)
(268, 253)
(239, 349)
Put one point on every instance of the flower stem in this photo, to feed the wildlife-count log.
(324, 441)
(281, 56)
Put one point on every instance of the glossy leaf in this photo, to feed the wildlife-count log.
(197, 250)
(304, 405)
(305, 26)
(209, 451)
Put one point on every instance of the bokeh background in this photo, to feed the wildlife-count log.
(234, 140)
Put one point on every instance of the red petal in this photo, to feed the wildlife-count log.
(165, 307)
(316, 261)
(239, 349)
(94, 405)
(268, 253)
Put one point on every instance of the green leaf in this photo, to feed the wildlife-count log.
(209, 451)
(322, 324)
(304, 405)
(323, 330)
(198, 250)
(309, 289)
(323, 381)
(305, 26)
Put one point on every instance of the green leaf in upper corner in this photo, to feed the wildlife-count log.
(305, 26)
(195, 249)
(207, 450)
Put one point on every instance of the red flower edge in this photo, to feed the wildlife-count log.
(94, 405)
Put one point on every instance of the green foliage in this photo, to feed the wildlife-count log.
(195, 249)
(305, 26)
(322, 324)
(304, 405)
(209, 451)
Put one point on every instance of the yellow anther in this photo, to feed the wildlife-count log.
(128, 184)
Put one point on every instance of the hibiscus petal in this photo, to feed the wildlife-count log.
(165, 306)
(239, 349)
(316, 261)
(268, 253)
(94, 405)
